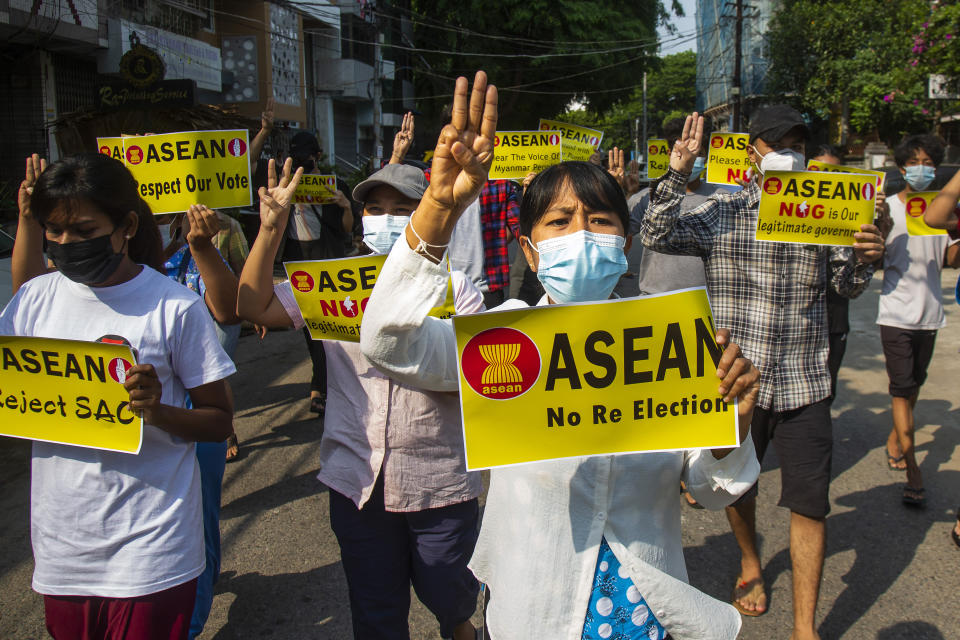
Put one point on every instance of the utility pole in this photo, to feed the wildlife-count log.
(736, 90)
(377, 93)
(643, 139)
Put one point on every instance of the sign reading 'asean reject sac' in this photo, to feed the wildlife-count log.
(517, 153)
(727, 159)
(915, 206)
(815, 207)
(176, 170)
(68, 392)
(658, 158)
(333, 294)
(612, 377)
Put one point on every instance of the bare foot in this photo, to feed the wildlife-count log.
(750, 596)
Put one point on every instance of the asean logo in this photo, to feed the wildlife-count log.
(653, 150)
(554, 139)
(302, 281)
(916, 207)
(716, 142)
(237, 147)
(496, 141)
(134, 154)
(105, 150)
(544, 127)
(772, 186)
(500, 363)
(118, 369)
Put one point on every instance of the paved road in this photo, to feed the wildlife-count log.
(890, 573)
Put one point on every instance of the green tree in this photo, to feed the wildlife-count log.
(542, 54)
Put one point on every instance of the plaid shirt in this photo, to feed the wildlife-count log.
(770, 295)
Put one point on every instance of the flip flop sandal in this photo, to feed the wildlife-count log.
(318, 405)
(892, 462)
(917, 500)
(747, 588)
(233, 447)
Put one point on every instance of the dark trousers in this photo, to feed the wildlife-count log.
(384, 552)
(838, 347)
(493, 299)
(319, 358)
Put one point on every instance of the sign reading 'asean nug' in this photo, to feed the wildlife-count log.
(591, 379)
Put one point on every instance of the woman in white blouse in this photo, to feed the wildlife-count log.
(556, 536)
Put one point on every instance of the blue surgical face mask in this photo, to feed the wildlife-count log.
(581, 267)
(920, 176)
(698, 166)
(381, 232)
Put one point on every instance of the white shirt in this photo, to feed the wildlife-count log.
(466, 246)
(911, 297)
(113, 524)
(375, 425)
(543, 522)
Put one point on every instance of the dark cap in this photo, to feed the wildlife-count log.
(408, 180)
(304, 143)
(773, 122)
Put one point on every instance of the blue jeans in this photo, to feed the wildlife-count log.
(211, 457)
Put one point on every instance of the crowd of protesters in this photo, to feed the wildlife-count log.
(585, 548)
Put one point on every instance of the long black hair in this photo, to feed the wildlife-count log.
(106, 184)
(592, 185)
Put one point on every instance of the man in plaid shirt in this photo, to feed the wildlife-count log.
(772, 297)
(499, 206)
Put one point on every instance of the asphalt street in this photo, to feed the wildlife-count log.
(890, 572)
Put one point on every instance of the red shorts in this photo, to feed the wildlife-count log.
(164, 615)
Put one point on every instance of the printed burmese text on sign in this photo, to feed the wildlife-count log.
(915, 204)
(658, 158)
(333, 294)
(579, 143)
(561, 381)
(176, 170)
(68, 392)
(817, 165)
(517, 153)
(315, 189)
(815, 207)
(112, 147)
(727, 159)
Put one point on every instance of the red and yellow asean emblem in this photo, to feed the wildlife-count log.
(500, 363)
(916, 207)
(772, 186)
(302, 281)
(716, 142)
(134, 155)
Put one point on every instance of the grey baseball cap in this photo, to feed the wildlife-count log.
(408, 180)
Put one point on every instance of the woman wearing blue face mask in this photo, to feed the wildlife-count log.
(572, 549)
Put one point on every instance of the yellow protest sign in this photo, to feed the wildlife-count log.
(817, 165)
(315, 189)
(578, 143)
(517, 153)
(815, 207)
(67, 391)
(176, 170)
(591, 379)
(727, 158)
(112, 147)
(333, 294)
(914, 206)
(658, 158)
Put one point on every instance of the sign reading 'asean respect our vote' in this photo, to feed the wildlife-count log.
(815, 207)
(915, 206)
(579, 143)
(727, 158)
(67, 391)
(591, 379)
(333, 294)
(176, 170)
(112, 147)
(658, 158)
(517, 153)
(315, 189)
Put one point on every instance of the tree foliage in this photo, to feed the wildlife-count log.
(610, 45)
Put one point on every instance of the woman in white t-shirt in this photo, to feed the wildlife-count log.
(117, 538)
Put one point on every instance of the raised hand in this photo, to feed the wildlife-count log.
(341, 200)
(276, 197)
(266, 117)
(203, 226)
(687, 147)
(35, 166)
(403, 140)
(615, 165)
(527, 179)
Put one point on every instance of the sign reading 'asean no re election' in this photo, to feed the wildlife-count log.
(815, 207)
(915, 205)
(333, 294)
(517, 153)
(315, 189)
(590, 379)
(658, 158)
(176, 170)
(579, 143)
(727, 159)
(67, 391)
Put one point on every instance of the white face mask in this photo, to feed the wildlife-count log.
(782, 160)
(381, 232)
(165, 234)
